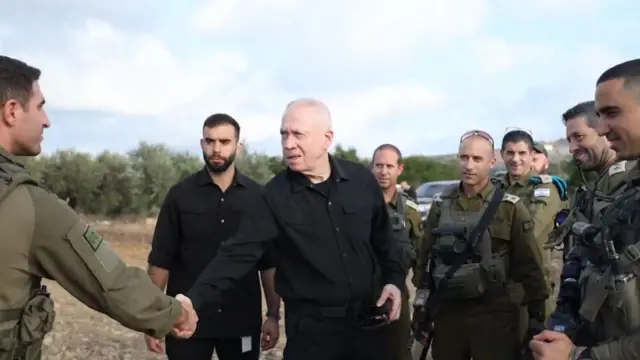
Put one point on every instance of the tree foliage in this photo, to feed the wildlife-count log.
(114, 184)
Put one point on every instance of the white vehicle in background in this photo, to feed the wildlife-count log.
(430, 191)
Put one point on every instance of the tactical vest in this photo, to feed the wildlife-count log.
(587, 206)
(22, 327)
(611, 290)
(483, 271)
(399, 226)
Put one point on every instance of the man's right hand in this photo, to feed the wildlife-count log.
(154, 345)
(185, 324)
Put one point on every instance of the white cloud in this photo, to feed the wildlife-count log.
(498, 55)
(352, 112)
(376, 30)
(566, 5)
(357, 31)
(594, 59)
(105, 69)
(220, 17)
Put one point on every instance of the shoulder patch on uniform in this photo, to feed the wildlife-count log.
(92, 238)
(412, 205)
(546, 179)
(542, 192)
(618, 167)
(510, 198)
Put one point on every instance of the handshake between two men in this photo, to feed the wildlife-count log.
(183, 327)
(186, 323)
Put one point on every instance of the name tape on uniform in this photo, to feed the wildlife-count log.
(544, 192)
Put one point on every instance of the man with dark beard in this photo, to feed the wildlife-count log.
(592, 154)
(199, 214)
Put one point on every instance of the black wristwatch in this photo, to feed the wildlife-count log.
(273, 315)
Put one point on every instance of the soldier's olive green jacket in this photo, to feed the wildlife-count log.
(618, 316)
(542, 200)
(512, 227)
(42, 237)
(414, 226)
(608, 183)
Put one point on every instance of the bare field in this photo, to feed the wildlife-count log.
(81, 333)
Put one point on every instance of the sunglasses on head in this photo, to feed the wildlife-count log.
(483, 134)
(511, 129)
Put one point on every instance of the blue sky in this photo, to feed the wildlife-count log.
(416, 73)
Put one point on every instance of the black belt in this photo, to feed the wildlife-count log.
(352, 308)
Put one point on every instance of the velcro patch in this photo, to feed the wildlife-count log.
(92, 238)
(412, 205)
(618, 168)
(527, 226)
(546, 179)
(542, 192)
(510, 198)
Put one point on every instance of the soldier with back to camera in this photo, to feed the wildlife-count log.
(43, 238)
(609, 284)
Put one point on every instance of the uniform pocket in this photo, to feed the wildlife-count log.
(37, 319)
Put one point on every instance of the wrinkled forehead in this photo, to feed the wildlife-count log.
(519, 146)
(302, 119)
(610, 94)
(476, 147)
(385, 157)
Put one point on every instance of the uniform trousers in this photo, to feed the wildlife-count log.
(313, 337)
(203, 348)
(399, 331)
(473, 332)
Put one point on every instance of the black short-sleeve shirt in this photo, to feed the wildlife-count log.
(196, 218)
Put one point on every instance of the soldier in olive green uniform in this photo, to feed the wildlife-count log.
(609, 284)
(387, 165)
(474, 316)
(592, 154)
(42, 237)
(542, 199)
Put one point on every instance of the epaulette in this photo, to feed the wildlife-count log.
(618, 167)
(546, 179)
(411, 204)
(511, 198)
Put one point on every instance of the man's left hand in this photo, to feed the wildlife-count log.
(551, 345)
(391, 292)
(270, 334)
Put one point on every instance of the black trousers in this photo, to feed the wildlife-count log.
(203, 348)
(322, 338)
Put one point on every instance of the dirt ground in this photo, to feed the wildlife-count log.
(81, 333)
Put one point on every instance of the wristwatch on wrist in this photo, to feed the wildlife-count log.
(273, 315)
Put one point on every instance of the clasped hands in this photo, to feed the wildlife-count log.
(184, 326)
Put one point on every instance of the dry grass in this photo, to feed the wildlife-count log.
(81, 333)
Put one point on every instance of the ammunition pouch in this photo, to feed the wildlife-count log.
(34, 321)
(471, 281)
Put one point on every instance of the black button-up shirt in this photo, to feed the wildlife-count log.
(195, 221)
(330, 239)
